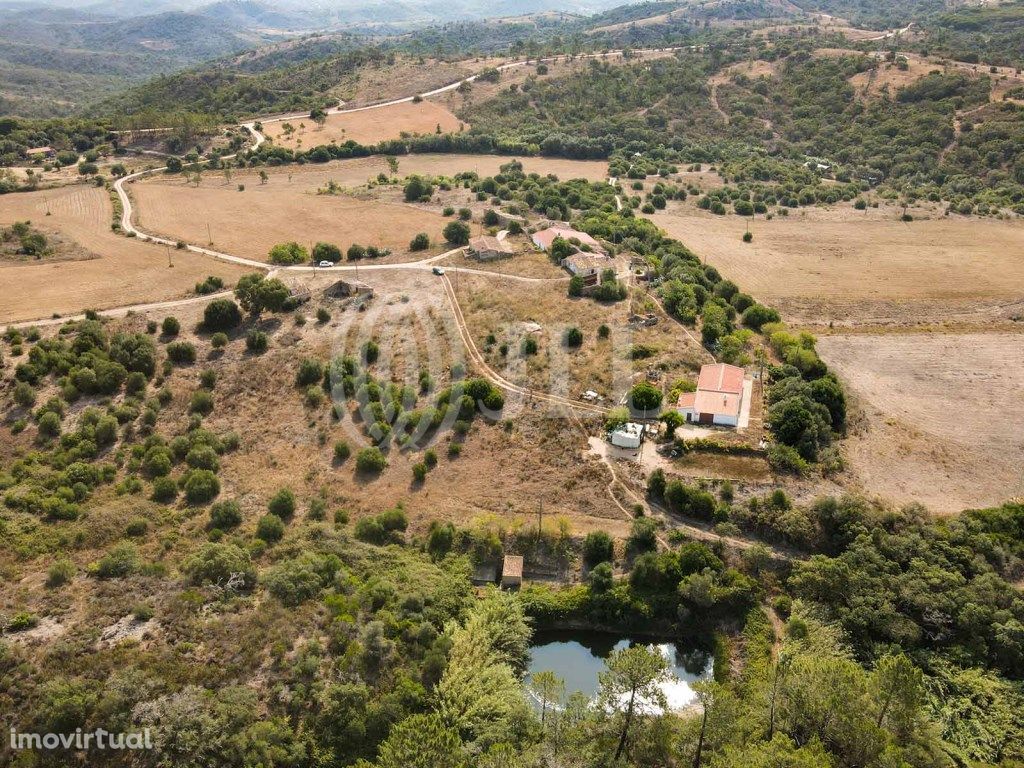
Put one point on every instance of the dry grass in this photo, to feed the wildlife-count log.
(124, 271)
(527, 262)
(367, 127)
(250, 223)
(822, 265)
(941, 416)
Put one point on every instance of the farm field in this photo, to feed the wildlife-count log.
(123, 271)
(845, 267)
(941, 416)
(367, 127)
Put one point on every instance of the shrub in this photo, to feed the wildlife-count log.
(24, 394)
(211, 284)
(201, 485)
(528, 346)
(420, 243)
(49, 424)
(170, 326)
(310, 372)
(643, 536)
(419, 472)
(225, 515)
(323, 316)
(221, 315)
(21, 621)
(270, 528)
(603, 331)
(181, 352)
(256, 342)
(136, 528)
(597, 548)
(282, 504)
(60, 573)
(220, 564)
(122, 560)
(165, 490)
(202, 402)
(573, 337)
(219, 340)
(341, 451)
(371, 461)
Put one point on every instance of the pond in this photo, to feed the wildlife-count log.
(578, 657)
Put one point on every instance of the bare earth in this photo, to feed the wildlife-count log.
(367, 127)
(942, 416)
(125, 271)
(854, 267)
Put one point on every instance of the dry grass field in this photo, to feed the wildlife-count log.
(527, 262)
(842, 266)
(123, 271)
(941, 416)
(250, 223)
(367, 127)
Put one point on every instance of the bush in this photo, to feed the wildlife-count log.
(270, 528)
(371, 461)
(310, 372)
(420, 243)
(201, 485)
(181, 352)
(282, 504)
(165, 490)
(341, 451)
(170, 326)
(121, 561)
(202, 402)
(211, 284)
(256, 342)
(49, 424)
(60, 573)
(597, 548)
(220, 564)
(643, 536)
(24, 394)
(323, 316)
(136, 528)
(225, 515)
(219, 340)
(573, 337)
(419, 472)
(221, 315)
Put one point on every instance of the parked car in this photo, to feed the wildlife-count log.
(325, 264)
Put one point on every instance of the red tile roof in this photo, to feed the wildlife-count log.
(546, 237)
(686, 400)
(721, 378)
(717, 403)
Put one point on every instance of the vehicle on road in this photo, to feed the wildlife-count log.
(438, 270)
(325, 264)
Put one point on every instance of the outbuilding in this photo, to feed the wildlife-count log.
(512, 572)
(629, 435)
(487, 248)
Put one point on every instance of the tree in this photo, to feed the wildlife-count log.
(326, 252)
(318, 116)
(417, 188)
(597, 548)
(900, 689)
(632, 673)
(420, 243)
(644, 396)
(282, 504)
(456, 233)
(673, 420)
(422, 741)
(371, 461)
(221, 315)
(256, 293)
(549, 689)
(288, 253)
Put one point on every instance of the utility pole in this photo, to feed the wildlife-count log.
(170, 260)
(540, 518)
(209, 233)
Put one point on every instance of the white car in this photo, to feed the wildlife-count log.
(325, 264)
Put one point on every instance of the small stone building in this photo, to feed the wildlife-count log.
(487, 248)
(512, 572)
